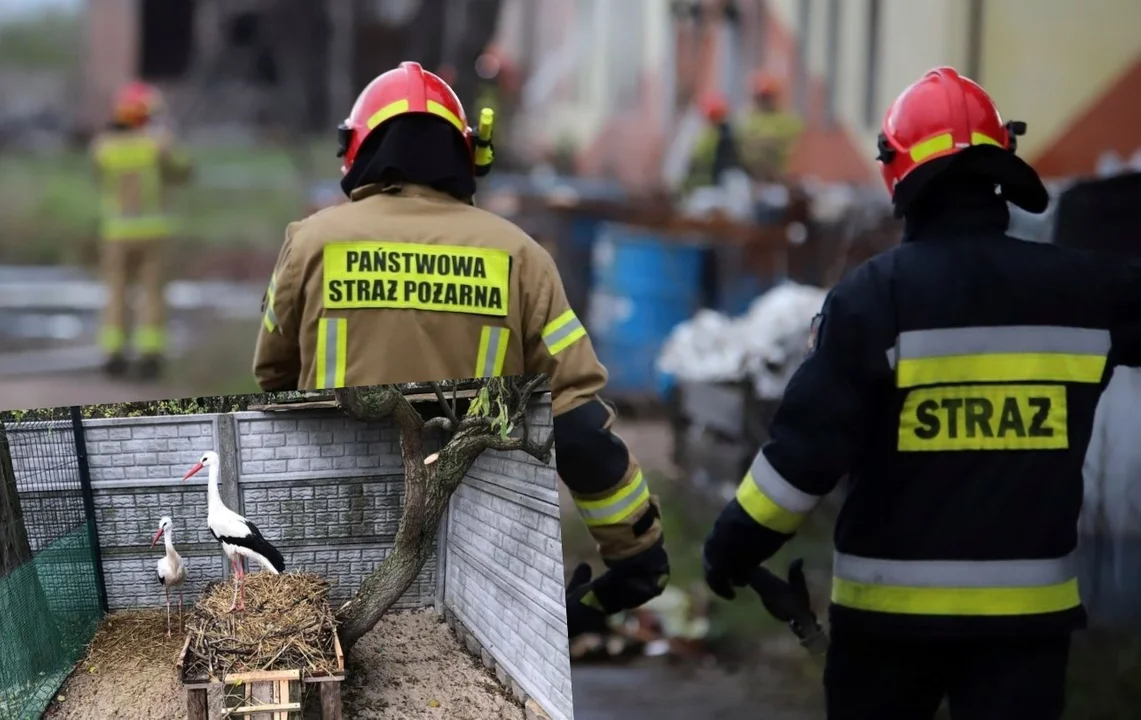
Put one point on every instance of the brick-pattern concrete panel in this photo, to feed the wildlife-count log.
(323, 445)
(158, 450)
(504, 568)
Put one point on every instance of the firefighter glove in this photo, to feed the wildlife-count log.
(626, 584)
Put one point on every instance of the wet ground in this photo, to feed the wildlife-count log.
(48, 352)
(771, 678)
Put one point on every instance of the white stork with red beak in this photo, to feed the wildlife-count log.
(240, 538)
(170, 568)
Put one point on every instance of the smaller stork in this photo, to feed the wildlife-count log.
(171, 569)
(240, 538)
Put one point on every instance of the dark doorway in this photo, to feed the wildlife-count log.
(166, 43)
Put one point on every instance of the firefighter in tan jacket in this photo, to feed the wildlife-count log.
(135, 164)
(408, 281)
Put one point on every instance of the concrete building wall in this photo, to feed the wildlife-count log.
(504, 570)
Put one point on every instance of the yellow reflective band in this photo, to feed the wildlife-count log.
(930, 147)
(772, 501)
(269, 319)
(984, 417)
(137, 228)
(150, 339)
(112, 338)
(761, 508)
(332, 348)
(437, 109)
(387, 112)
(1006, 367)
(978, 138)
(617, 506)
(408, 276)
(492, 351)
(128, 153)
(562, 332)
(956, 601)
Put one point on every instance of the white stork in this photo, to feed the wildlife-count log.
(240, 538)
(171, 570)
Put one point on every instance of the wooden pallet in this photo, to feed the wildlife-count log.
(264, 694)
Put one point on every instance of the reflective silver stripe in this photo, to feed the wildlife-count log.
(332, 355)
(954, 573)
(553, 338)
(495, 337)
(606, 511)
(1002, 339)
(779, 490)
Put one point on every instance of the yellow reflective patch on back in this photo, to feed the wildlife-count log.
(1000, 367)
(984, 417)
(405, 276)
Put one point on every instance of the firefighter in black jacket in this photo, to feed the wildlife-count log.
(953, 380)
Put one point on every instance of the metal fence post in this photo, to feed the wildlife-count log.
(88, 502)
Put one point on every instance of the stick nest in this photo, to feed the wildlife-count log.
(287, 624)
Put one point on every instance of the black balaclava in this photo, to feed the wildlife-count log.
(725, 155)
(415, 149)
(960, 196)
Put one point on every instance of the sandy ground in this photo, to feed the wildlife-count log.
(410, 667)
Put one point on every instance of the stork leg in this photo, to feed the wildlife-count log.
(181, 627)
(237, 575)
(167, 591)
(241, 586)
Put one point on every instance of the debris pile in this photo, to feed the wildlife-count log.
(673, 625)
(765, 345)
(287, 624)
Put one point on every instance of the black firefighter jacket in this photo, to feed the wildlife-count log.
(954, 381)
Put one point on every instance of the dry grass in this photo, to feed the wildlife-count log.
(131, 640)
(287, 624)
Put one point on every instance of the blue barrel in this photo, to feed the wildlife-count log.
(644, 286)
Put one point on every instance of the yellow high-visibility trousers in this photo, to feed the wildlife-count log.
(124, 263)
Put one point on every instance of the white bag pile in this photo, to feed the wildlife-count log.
(765, 345)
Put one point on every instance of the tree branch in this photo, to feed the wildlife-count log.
(448, 409)
(541, 452)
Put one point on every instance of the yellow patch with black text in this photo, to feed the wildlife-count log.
(984, 417)
(441, 278)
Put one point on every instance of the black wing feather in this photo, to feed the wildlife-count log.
(256, 541)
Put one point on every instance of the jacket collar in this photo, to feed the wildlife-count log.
(406, 190)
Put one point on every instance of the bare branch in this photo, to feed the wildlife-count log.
(439, 423)
(448, 409)
(542, 453)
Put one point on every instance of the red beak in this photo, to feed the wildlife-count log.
(196, 468)
(157, 536)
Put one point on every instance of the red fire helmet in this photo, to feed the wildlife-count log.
(407, 89)
(943, 118)
(714, 108)
(136, 102)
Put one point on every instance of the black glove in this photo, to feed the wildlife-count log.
(736, 546)
(626, 584)
(581, 616)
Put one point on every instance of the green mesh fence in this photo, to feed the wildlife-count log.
(50, 596)
(49, 609)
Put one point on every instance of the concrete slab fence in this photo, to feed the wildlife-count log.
(328, 492)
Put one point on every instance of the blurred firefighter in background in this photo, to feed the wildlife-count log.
(136, 161)
(953, 380)
(409, 281)
(768, 133)
(716, 149)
